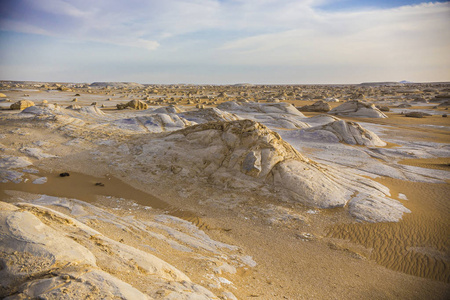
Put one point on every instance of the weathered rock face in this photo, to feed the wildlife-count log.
(46, 254)
(240, 146)
(358, 108)
(319, 106)
(171, 109)
(281, 107)
(208, 115)
(22, 104)
(133, 104)
(273, 115)
(245, 154)
(349, 132)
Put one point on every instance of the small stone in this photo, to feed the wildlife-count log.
(65, 174)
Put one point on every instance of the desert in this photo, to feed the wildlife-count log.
(120, 190)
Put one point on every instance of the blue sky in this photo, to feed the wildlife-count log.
(227, 41)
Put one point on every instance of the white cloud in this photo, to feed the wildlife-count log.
(408, 35)
(248, 32)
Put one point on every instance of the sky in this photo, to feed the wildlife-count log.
(225, 41)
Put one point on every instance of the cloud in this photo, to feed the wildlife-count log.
(150, 20)
(252, 33)
(407, 35)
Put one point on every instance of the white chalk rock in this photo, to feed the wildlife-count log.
(279, 108)
(347, 132)
(208, 115)
(36, 153)
(273, 115)
(77, 261)
(358, 108)
(245, 154)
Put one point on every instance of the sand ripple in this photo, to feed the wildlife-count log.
(418, 245)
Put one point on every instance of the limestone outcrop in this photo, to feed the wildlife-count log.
(347, 132)
(319, 106)
(133, 104)
(358, 108)
(245, 154)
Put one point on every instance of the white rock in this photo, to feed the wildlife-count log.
(36, 153)
(357, 108)
(14, 162)
(245, 154)
(348, 132)
(40, 180)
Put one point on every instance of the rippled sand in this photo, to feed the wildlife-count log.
(418, 245)
(439, 163)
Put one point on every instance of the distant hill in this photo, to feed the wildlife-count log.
(115, 84)
(387, 83)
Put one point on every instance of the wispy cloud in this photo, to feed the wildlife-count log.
(410, 34)
(253, 33)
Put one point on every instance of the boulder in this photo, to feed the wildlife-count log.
(319, 106)
(64, 89)
(356, 108)
(417, 114)
(404, 105)
(22, 104)
(420, 100)
(383, 108)
(133, 104)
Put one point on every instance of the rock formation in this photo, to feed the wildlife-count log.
(358, 108)
(417, 114)
(22, 104)
(48, 254)
(347, 132)
(245, 154)
(319, 106)
(133, 104)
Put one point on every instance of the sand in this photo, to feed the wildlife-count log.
(301, 253)
(419, 244)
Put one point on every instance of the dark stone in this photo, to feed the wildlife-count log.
(99, 184)
(417, 114)
(65, 174)
(444, 115)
